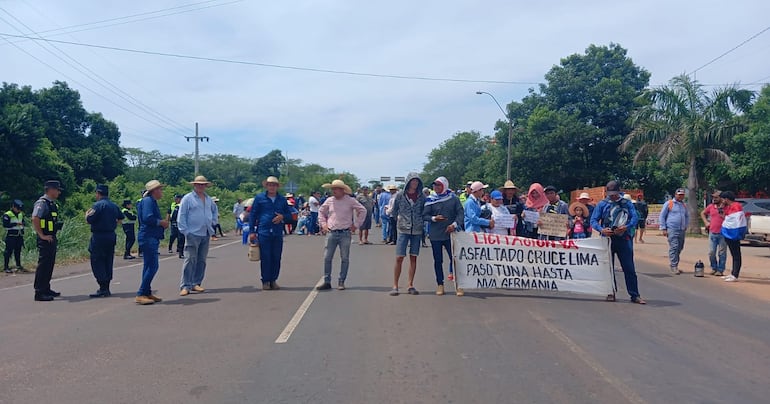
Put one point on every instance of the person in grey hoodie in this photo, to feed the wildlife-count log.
(407, 209)
(443, 211)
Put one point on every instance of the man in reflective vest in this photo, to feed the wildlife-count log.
(13, 221)
(45, 220)
(173, 218)
(103, 217)
(129, 228)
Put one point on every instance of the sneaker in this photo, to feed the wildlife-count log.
(274, 286)
(440, 290)
(460, 292)
(144, 300)
(198, 288)
(324, 286)
(22, 269)
(412, 291)
(341, 285)
(451, 276)
(731, 278)
(675, 271)
(394, 292)
(184, 292)
(714, 272)
(721, 273)
(155, 299)
(265, 285)
(181, 256)
(170, 252)
(8, 271)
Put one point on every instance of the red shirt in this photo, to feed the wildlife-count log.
(715, 219)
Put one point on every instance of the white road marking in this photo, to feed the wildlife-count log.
(138, 264)
(294, 322)
(626, 391)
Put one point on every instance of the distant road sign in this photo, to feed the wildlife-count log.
(384, 178)
(399, 179)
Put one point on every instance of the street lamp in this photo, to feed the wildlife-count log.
(510, 133)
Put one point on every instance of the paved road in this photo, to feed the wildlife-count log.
(690, 344)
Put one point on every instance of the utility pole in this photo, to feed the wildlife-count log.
(197, 140)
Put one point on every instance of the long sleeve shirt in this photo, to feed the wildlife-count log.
(473, 219)
(149, 219)
(674, 216)
(197, 216)
(263, 211)
(337, 214)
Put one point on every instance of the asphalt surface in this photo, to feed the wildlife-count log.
(692, 342)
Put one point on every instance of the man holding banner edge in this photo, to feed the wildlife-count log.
(613, 217)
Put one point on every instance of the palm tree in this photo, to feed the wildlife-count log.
(681, 122)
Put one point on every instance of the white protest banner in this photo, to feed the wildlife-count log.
(553, 224)
(489, 261)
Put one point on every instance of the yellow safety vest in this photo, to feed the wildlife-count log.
(16, 219)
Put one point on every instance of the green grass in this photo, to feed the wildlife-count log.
(73, 243)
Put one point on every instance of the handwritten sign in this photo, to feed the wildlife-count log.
(504, 220)
(553, 224)
(531, 216)
(492, 261)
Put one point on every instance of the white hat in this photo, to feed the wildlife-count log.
(584, 195)
(478, 185)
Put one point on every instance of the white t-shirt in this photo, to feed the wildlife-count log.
(314, 204)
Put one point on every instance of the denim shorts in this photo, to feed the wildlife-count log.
(413, 240)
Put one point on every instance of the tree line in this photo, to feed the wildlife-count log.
(596, 118)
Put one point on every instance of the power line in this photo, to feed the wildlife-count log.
(275, 66)
(69, 29)
(104, 83)
(731, 49)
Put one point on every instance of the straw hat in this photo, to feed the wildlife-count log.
(269, 180)
(200, 180)
(509, 185)
(392, 187)
(575, 205)
(150, 186)
(584, 195)
(338, 184)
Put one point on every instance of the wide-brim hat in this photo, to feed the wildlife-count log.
(152, 185)
(509, 185)
(338, 184)
(391, 187)
(575, 205)
(200, 180)
(272, 180)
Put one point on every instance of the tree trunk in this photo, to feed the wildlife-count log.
(692, 198)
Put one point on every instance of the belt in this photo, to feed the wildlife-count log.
(14, 233)
(340, 231)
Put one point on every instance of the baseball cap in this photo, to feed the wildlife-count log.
(477, 185)
(550, 188)
(612, 188)
(496, 195)
(680, 191)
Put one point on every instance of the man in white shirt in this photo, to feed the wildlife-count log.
(315, 205)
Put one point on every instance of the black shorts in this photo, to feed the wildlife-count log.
(642, 223)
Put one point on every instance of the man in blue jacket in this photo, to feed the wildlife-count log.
(613, 217)
(151, 231)
(674, 219)
(266, 223)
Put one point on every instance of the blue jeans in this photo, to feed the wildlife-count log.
(270, 250)
(675, 246)
(312, 227)
(149, 248)
(196, 249)
(413, 240)
(717, 243)
(385, 227)
(438, 258)
(376, 216)
(336, 239)
(624, 248)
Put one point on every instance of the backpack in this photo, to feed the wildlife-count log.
(617, 214)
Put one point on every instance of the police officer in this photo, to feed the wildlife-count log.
(13, 221)
(173, 217)
(103, 217)
(128, 228)
(45, 220)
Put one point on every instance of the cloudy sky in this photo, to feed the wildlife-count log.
(369, 126)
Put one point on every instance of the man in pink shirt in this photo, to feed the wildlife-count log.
(713, 217)
(336, 217)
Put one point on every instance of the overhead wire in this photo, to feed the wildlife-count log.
(744, 42)
(68, 29)
(275, 66)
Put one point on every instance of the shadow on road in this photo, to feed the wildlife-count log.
(189, 301)
(242, 289)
